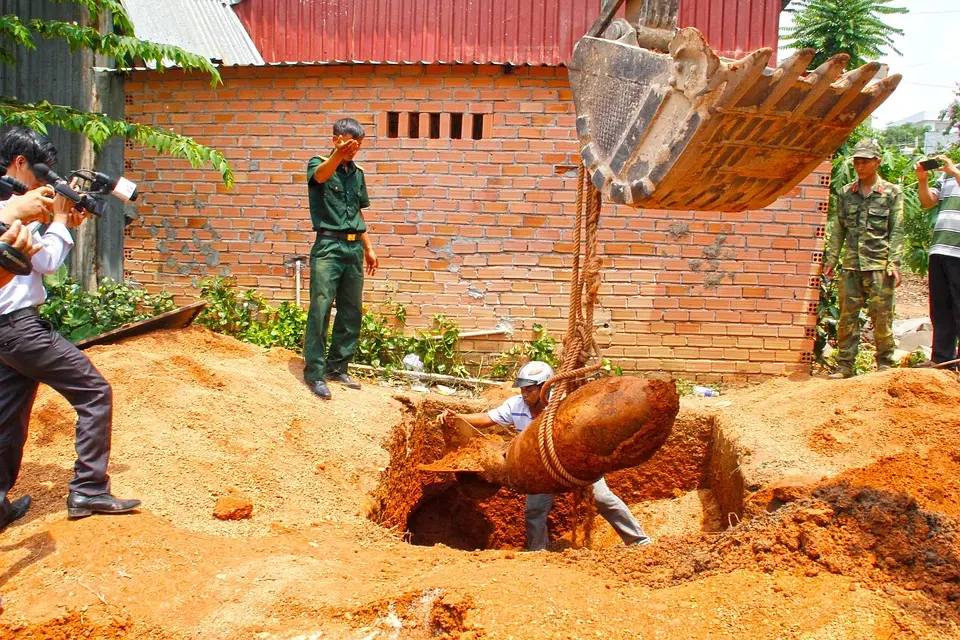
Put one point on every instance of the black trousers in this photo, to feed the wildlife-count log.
(31, 352)
(945, 306)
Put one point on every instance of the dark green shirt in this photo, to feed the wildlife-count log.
(335, 204)
(869, 226)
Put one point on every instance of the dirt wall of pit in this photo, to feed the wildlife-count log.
(462, 511)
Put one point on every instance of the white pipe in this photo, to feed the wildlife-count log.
(478, 334)
(298, 281)
(434, 377)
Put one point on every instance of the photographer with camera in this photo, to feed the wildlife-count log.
(944, 273)
(31, 352)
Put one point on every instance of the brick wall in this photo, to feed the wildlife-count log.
(475, 229)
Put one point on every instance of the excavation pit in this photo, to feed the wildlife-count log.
(688, 486)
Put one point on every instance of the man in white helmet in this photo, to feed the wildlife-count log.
(520, 411)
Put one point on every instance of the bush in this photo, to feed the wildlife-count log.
(77, 314)
(541, 348)
(245, 315)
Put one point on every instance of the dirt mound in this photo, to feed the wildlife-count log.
(197, 414)
(874, 412)
(798, 431)
(877, 537)
(870, 551)
(73, 625)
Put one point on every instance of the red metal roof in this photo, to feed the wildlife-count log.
(535, 32)
(734, 27)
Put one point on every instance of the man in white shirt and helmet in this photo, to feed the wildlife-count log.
(520, 411)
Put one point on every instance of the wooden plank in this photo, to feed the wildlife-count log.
(176, 319)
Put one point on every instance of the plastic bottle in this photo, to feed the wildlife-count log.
(705, 392)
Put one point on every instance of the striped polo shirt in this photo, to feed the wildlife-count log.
(946, 233)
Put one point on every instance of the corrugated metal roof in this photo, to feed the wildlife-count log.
(208, 28)
(534, 32)
(734, 27)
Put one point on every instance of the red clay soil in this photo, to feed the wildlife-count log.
(418, 493)
(869, 552)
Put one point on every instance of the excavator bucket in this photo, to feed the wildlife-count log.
(683, 129)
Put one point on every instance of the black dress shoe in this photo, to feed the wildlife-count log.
(343, 379)
(319, 388)
(81, 506)
(18, 509)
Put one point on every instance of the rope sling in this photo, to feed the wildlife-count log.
(579, 346)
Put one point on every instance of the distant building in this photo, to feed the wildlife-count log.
(936, 138)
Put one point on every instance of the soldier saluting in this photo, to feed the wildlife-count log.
(869, 226)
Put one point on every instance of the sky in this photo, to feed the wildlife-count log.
(930, 74)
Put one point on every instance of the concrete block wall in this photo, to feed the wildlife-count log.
(477, 229)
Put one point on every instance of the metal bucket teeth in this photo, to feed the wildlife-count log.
(689, 130)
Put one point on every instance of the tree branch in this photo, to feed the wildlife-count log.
(99, 128)
(125, 49)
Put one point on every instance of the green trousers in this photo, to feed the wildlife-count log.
(873, 289)
(336, 274)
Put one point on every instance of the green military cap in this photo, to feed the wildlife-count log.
(867, 149)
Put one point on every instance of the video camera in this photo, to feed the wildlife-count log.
(9, 185)
(12, 259)
(92, 198)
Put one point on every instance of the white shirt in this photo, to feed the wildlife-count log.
(514, 411)
(27, 291)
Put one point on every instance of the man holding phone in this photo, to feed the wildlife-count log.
(869, 226)
(944, 273)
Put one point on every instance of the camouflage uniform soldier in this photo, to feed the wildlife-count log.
(869, 225)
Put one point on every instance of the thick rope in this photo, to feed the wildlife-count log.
(579, 346)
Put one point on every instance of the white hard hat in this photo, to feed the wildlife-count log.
(532, 373)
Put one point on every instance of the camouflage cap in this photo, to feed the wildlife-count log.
(867, 149)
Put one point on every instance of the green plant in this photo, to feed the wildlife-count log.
(381, 344)
(684, 386)
(437, 347)
(866, 359)
(283, 326)
(608, 368)
(903, 135)
(77, 314)
(106, 31)
(828, 313)
(952, 113)
(913, 359)
(245, 315)
(854, 27)
(542, 348)
(229, 310)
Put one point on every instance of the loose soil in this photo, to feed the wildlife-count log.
(802, 509)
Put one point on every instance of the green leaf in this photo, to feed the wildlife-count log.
(99, 128)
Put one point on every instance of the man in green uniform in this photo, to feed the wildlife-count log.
(337, 193)
(869, 226)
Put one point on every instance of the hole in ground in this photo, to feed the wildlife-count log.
(687, 487)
